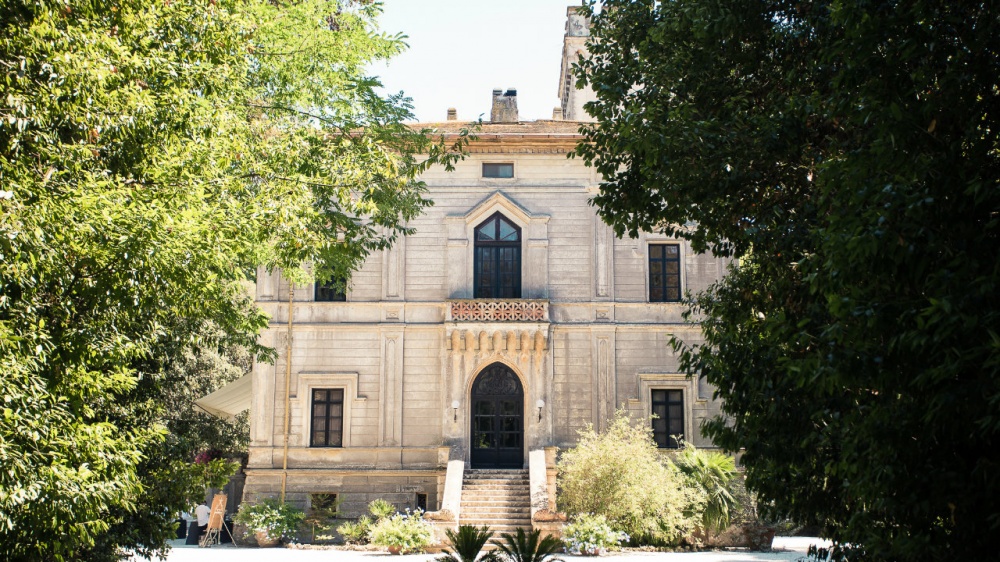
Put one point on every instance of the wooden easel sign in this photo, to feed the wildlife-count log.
(215, 522)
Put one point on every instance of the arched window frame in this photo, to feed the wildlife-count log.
(535, 246)
(497, 253)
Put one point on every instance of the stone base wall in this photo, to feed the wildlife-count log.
(355, 488)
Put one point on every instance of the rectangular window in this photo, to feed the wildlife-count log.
(323, 506)
(330, 291)
(495, 170)
(327, 418)
(668, 425)
(422, 502)
(664, 273)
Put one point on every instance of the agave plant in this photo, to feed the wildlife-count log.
(529, 547)
(466, 544)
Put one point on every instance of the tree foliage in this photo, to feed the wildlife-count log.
(847, 154)
(155, 154)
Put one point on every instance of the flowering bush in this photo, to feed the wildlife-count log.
(276, 519)
(207, 456)
(406, 531)
(591, 534)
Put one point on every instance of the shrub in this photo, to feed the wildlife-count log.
(359, 532)
(406, 531)
(715, 473)
(276, 519)
(380, 509)
(356, 532)
(528, 547)
(621, 475)
(466, 544)
(591, 534)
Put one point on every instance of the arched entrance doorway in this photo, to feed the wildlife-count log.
(497, 419)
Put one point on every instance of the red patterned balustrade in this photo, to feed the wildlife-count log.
(498, 310)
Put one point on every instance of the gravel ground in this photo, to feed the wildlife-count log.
(785, 548)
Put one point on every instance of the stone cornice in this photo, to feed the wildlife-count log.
(524, 144)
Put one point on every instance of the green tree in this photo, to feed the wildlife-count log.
(155, 154)
(847, 155)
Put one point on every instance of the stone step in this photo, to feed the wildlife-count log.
(498, 498)
(524, 481)
(499, 503)
(495, 522)
(500, 494)
(502, 498)
(495, 482)
(498, 511)
(495, 486)
(511, 511)
(495, 506)
(499, 526)
(519, 513)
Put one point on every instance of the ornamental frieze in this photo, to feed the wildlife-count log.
(488, 341)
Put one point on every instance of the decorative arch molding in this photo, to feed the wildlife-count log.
(534, 246)
(488, 362)
(499, 201)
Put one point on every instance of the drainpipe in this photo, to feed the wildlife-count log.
(288, 382)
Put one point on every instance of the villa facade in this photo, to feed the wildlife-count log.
(511, 319)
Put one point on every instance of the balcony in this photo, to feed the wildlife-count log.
(498, 310)
(516, 327)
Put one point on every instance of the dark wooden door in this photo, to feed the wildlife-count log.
(497, 419)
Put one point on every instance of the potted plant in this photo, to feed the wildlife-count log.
(270, 520)
(591, 535)
(402, 532)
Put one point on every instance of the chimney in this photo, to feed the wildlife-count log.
(504, 106)
(557, 114)
(452, 114)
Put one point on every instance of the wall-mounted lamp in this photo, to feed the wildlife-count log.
(540, 404)
(454, 407)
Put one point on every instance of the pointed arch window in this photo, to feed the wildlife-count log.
(497, 273)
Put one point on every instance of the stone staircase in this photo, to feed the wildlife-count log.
(498, 498)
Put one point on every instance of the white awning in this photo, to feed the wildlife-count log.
(229, 400)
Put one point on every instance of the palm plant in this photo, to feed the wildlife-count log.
(714, 473)
(529, 547)
(466, 544)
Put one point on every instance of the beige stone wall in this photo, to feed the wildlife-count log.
(355, 488)
(403, 363)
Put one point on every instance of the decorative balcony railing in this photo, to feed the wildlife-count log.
(498, 310)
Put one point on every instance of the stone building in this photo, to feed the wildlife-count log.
(511, 319)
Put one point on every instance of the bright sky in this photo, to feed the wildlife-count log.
(460, 50)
